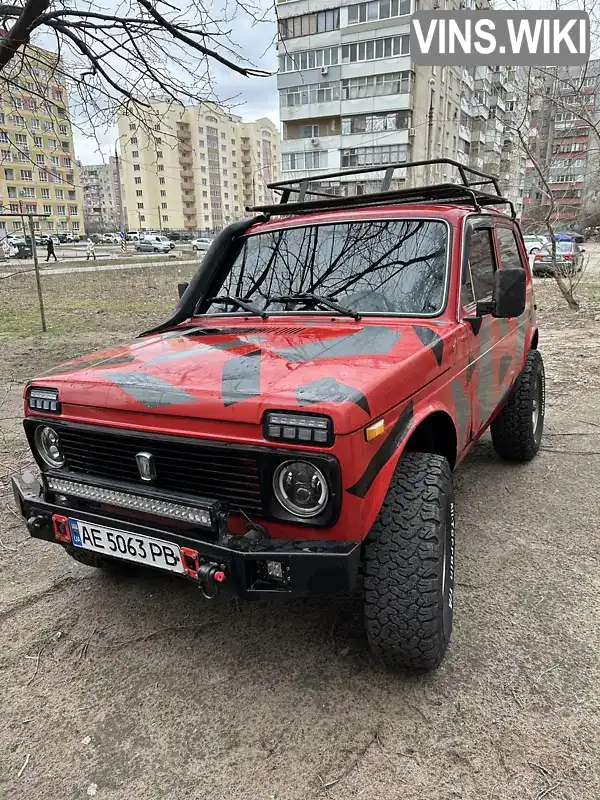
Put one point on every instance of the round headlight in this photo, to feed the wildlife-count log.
(301, 488)
(48, 446)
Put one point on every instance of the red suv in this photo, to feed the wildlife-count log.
(294, 426)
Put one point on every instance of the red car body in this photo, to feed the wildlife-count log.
(213, 377)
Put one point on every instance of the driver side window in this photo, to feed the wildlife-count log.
(481, 264)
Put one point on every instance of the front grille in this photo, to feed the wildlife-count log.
(188, 467)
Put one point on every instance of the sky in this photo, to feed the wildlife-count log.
(249, 98)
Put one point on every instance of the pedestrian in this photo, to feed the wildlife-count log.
(90, 250)
(50, 250)
(6, 248)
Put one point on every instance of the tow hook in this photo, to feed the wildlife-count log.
(210, 576)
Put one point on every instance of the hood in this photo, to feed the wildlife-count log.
(352, 371)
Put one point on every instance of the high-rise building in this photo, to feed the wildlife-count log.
(38, 170)
(564, 138)
(102, 207)
(194, 169)
(350, 95)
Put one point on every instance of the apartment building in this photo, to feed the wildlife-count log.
(195, 169)
(351, 96)
(102, 207)
(38, 171)
(565, 145)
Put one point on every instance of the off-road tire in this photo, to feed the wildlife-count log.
(97, 560)
(515, 435)
(409, 566)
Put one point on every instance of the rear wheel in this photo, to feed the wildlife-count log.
(517, 430)
(409, 566)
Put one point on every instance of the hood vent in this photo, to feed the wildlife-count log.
(243, 331)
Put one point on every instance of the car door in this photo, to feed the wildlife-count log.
(491, 341)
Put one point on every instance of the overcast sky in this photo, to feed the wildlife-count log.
(250, 98)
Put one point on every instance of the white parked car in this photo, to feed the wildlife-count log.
(110, 238)
(154, 244)
(201, 244)
(16, 240)
(533, 244)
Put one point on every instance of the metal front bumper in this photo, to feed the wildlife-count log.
(311, 566)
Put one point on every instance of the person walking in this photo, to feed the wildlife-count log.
(90, 251)
(50, 250)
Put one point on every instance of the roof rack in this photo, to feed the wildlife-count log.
(463, 192)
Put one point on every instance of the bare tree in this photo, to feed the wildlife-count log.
(116, 62)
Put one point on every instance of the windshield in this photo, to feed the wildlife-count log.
(393, 267)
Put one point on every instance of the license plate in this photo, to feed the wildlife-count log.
(128, 546)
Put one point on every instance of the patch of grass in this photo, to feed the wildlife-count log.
(77, 303)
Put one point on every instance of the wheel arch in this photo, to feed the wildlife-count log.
(534, 340)
(434, 433)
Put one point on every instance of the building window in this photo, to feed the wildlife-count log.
(133, 140)
(165, 218)
(37, 141)
(380, 9)
(131, 126)
(45, 193)
(59, 193)
(375, 123)
(140, 205)
(304, 160)
(43, 176)
(72, 211)
(308, 24)
(159, 154)
(372, 156)
(62, 130)
(163, 205)
(375, 49)
(160, 168)
(26, 175)
(139, 193)
(163, 193)
(61, 211)
(75, 225)
(136, 167)
(28, 192)
(161, 181)
(9, 174)
(138, 180)
(135, 154)
(309, 59)
(35, 125)
(40, 159)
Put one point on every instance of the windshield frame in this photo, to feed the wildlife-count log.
(374, 314)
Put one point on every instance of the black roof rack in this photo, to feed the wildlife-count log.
(463, 192)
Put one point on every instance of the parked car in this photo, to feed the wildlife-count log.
(569, 259)
(201, 244)
(110, 238)
(568, 236)
(43, 240)
(16, 240)
(133, 237)
(293, 426)
(154, 244)
(533, 243)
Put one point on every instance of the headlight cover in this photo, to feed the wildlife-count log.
(42, 399)
(48, 446)
(301, 488)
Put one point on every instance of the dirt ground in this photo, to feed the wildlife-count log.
(132, 687)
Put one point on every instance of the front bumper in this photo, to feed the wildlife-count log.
(310, 566)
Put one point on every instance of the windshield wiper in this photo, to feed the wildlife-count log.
(316, 299)
(237, 301)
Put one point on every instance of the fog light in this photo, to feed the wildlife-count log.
(275, 570)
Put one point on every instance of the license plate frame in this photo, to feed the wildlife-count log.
(133, 547)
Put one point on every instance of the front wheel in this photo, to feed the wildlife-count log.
(517, 430)
(409, 566)
(195, 248)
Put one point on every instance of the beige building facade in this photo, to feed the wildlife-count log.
(194, 170)
(38, 171)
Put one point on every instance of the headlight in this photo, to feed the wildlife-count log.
(301, 488)
(48, 446)
(44, 400)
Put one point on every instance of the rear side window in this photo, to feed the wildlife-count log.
(481, 263)
(509, 249)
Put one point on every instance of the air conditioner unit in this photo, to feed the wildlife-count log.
(436, 4)
(324, 70)
(314, 142)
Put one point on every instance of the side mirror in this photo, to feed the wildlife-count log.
(181, 287)
(509, 292)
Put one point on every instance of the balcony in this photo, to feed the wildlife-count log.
(468, 79)
(464, 133)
